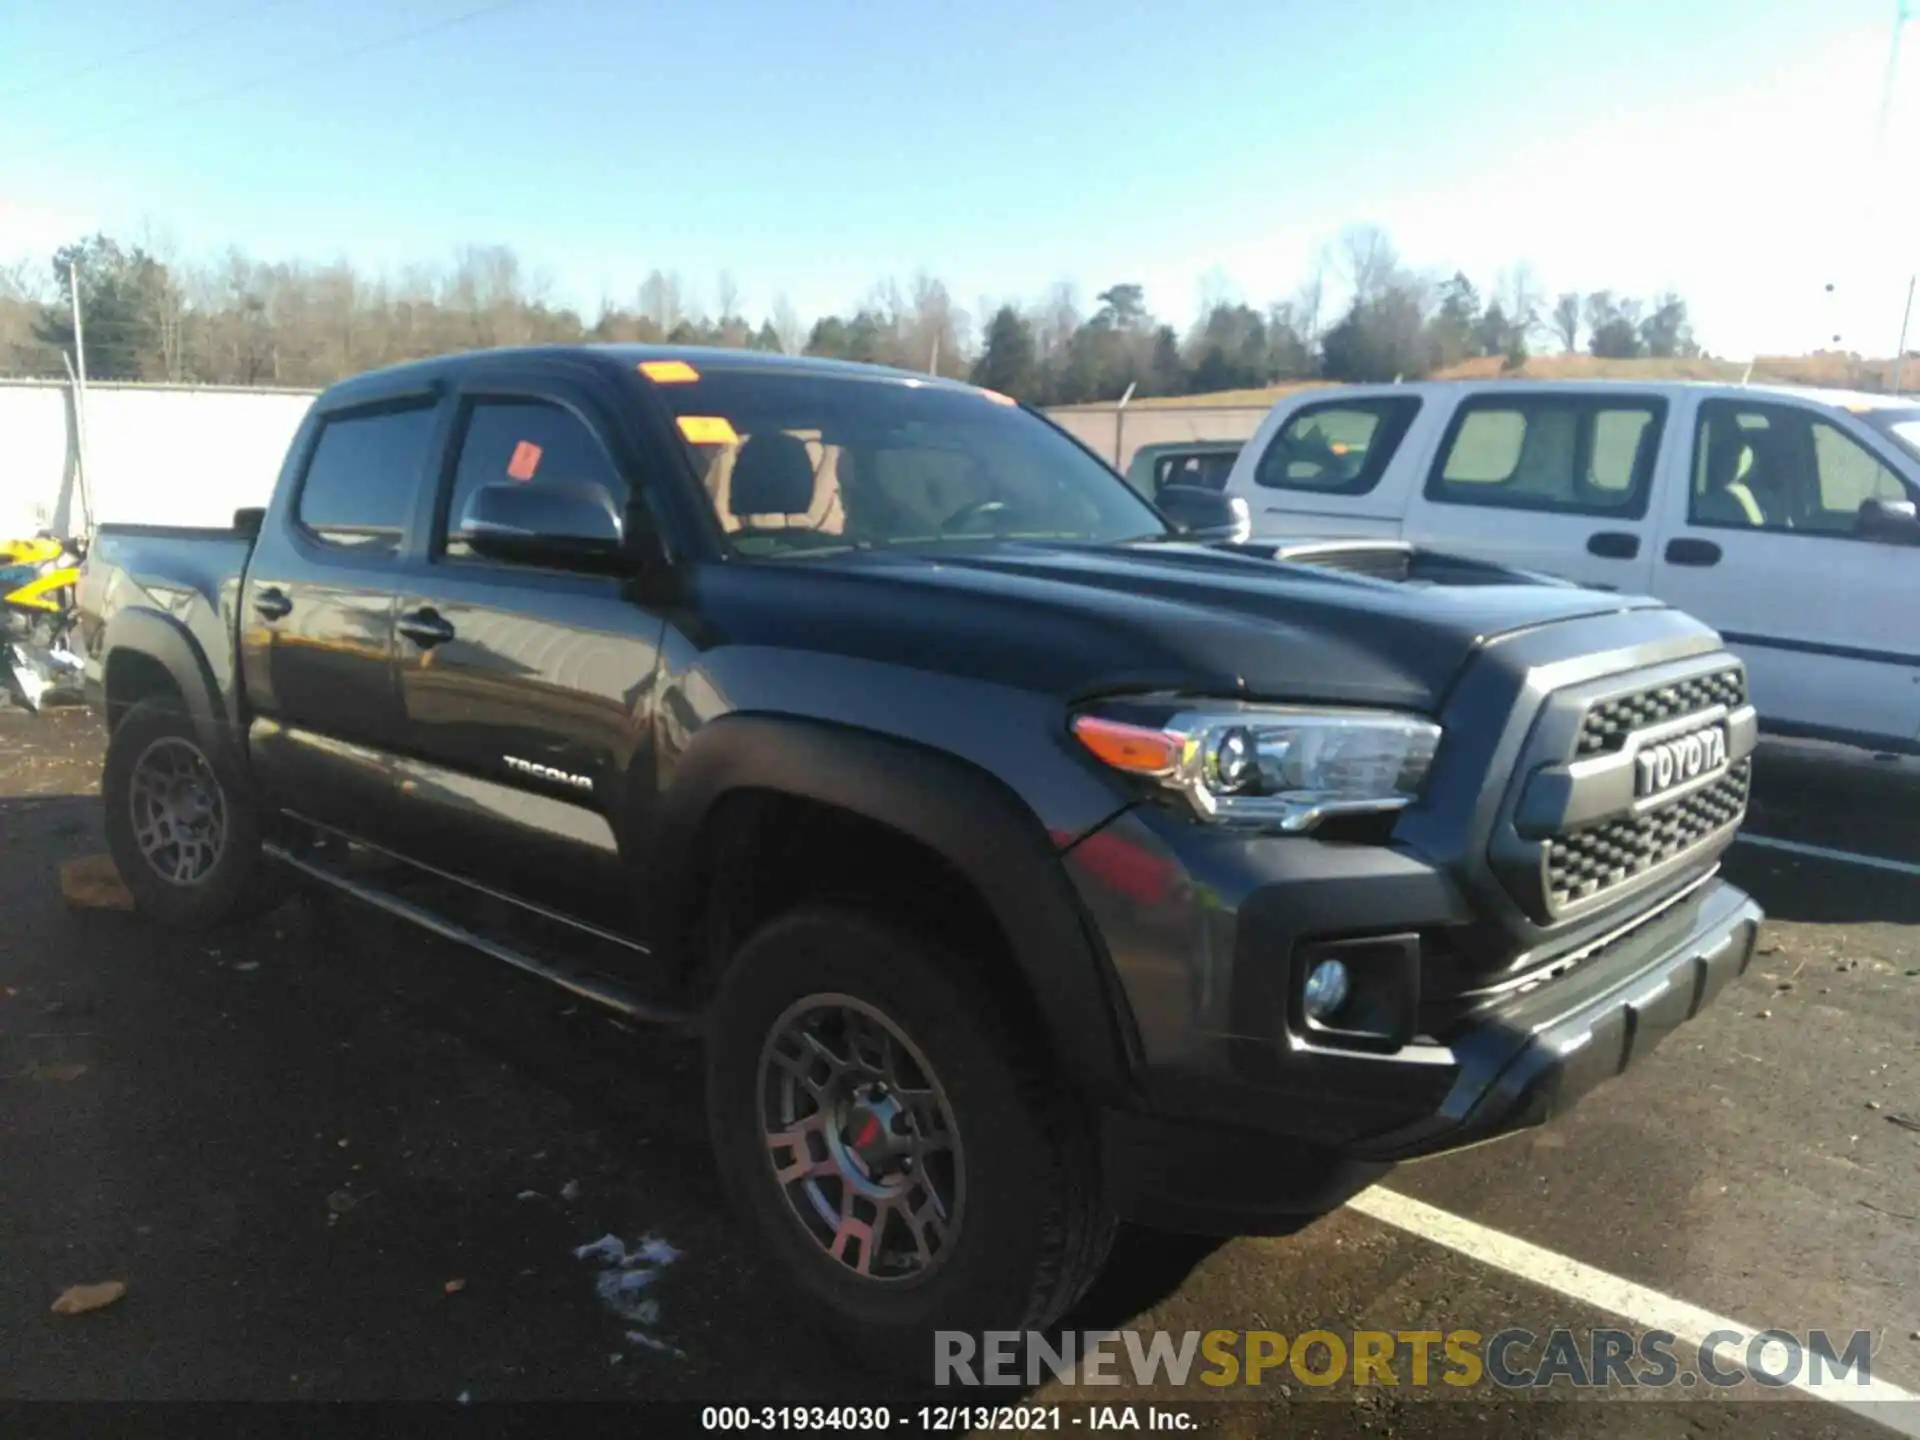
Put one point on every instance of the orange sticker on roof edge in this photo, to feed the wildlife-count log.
(708, 430)
(997, 397)
(668, 372)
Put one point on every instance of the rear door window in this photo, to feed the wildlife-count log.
(1337, 447)
(363, 476)
(1578, 455)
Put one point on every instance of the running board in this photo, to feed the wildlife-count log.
(597, 988)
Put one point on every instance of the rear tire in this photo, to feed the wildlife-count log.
(181, 824)
(1024, 1229)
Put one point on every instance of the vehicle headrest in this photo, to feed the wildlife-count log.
(772, 475)
(1725, 454)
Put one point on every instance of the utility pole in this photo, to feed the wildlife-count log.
(1900, 354)
(80, 393)
(1120, 425)
(1903, 12)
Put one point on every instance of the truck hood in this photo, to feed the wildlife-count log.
(1079, 621)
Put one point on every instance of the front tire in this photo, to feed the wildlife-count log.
(181, 826)
(903, 1166)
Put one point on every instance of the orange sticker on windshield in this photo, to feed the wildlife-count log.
(708, 430)
(998, 398)
(668, 372)
(526, 460)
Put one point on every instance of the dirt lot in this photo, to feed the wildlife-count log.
(331, 1158)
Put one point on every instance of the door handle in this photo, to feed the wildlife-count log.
(272, 602)
(1613, 544)
(1693, 552)
(426, 628)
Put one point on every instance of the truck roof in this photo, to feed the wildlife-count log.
(621, 357)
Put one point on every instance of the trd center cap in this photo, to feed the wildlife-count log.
(877, 1136)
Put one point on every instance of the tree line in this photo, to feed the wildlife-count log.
(240, 321)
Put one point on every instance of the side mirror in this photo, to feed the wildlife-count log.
(1891, 522)
(549, 524)
(1203, 514)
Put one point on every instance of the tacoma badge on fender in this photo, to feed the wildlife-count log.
(548, 772)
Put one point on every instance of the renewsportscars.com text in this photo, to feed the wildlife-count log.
(1510, 1359)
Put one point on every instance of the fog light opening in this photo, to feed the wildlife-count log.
(1326, 991)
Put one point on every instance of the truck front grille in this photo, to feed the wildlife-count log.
(1607, 725)
(1585, 863)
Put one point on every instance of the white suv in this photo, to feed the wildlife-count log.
(1783, 517)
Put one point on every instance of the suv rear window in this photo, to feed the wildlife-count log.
(1337, 447)
(1575, 454)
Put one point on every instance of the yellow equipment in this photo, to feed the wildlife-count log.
(39, 585)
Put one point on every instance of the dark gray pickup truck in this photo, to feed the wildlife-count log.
(1026, 860)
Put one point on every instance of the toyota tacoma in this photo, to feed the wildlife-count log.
(1027, 857)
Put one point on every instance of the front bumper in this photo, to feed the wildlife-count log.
(1531, 1059)
(1247, 1123)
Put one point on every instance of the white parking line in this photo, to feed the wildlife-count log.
(1821, 852)
(1880, 1401)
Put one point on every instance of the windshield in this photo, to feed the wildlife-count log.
(797, 463)
(1900, 426)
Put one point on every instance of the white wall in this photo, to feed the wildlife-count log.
(156, 454)
(1115, 436)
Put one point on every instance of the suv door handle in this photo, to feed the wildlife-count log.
(272, 602)
(1613, 544)
(1693, 552)
(425, 627)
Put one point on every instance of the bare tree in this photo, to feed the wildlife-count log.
(1216, 291)
(662, 301)
(169, 300)
(1518, 292)
(1058, 318)
(788, 325)
(1367, 260)
(936, 332)
(1566, 320)
(1308, 303)
(22, 291)
(728, 293)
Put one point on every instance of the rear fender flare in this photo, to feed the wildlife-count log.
(163, 639)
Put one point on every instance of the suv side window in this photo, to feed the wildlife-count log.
(1570, 454)
(362, 478)
(527, 442)
(1337, 447)
(1782, 468)
(1850, 475)
(1209, 471)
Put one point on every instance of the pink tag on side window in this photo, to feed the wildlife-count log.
(526, 460)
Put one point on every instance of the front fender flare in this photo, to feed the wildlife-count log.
(964, 814)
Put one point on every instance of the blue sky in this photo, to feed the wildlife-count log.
(1722, 148)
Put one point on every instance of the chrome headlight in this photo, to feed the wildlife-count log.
(1276, 767)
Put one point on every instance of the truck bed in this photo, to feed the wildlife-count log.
(185, 576)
